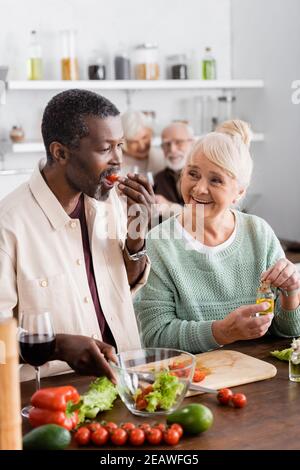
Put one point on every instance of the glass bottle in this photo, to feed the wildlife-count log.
(294, 362)
(34, 61)
(122, 65)
(265, 294)
(69, 63)
(209, 68)
(97, 69)
(146, 62)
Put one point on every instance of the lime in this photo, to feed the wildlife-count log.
(194, 418)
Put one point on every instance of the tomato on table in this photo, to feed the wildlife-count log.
(82, 436)
(154, 436)
(100, 437)
(171, 437)
(239, 400)
(224, 396)
(137, 437)
(119, 437)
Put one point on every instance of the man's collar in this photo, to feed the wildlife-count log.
(46, 199)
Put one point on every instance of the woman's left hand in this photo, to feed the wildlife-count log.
(283, 274)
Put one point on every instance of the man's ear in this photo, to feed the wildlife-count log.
(59, 153)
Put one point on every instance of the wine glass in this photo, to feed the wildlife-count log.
(36, 342)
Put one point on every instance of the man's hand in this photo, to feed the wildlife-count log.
(242, 324)
(85, 355)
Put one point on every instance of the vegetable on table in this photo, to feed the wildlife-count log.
(47, 437)
(55, 405)
(99, 397)
(283, 355)
(193, 418)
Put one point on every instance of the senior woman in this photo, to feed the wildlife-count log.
(201, 291)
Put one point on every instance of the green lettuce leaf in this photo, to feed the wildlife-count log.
(99, 397)
(166, 388)
(283, 355)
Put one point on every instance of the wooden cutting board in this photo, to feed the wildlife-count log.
(230, 368)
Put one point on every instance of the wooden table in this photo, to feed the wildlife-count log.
(271, 420)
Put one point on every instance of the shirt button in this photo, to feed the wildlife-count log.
(86, 300)
(43, 283)
(79, 262)
(73, 224)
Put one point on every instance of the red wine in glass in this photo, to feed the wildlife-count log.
(36, 343)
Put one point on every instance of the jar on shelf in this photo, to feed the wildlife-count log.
(177, 67)
(294, 362)
(146, 62)
(17, 134)
(34, 61)
(69, 62)
(226, 107)
(122, 65)
(97, 69)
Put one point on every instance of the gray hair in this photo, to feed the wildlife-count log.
(133, 122)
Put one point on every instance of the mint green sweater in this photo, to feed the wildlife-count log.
(187, 290)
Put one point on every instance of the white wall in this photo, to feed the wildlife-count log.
(266, 44)
(175, 25)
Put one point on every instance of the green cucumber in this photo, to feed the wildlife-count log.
(48, 437)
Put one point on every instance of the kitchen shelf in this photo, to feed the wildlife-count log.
(38, 147)
(132, 85)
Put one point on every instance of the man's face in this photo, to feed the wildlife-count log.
(139, 147)
(176, 143)
(99, 155)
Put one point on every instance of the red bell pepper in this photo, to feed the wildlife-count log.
(54, 406)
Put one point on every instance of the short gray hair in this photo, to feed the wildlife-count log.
(133, 122)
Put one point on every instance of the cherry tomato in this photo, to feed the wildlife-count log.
(239, 400)
(171, 437)
(112, 178)
(100, 437)
(110, 426)
(119, 437)
(160, 426)
(141, 403)
(147, 390)
(128, 426)
(137, 437)
(198, 375)
(94, 426)
(177, 428)
(154, 436)
(224, 396)
(82, 436)
(145, 427)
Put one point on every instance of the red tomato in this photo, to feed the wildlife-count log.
(198, 375)
(177, 428)
(128, 426)
(119, 437)
(110, 426)
(137, 437)
(224, 396)
(145, 427)
(239, 400)
(112, 178)
(100, 437)
(82, 436)
(141, 403)
(171, 437)
(154, 436)
(147, 390)
(94, 426)
(160, 426)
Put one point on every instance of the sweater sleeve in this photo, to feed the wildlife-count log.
(286, 323)
(158, 322)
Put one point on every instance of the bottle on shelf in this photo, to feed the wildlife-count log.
(34, 61)
(209, 67)
(122, 65)
(177, 67)
(265, 294)
(97, 68)
(69, 62)
(146, 62)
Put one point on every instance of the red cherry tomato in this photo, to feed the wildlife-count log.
(82, 436)
(100, 437)
(94, 426)
(119, 437)
(112, 178)
(110, 426)
(145, 427)
(160, 426)
(141, 403)
(177, 428)
(198, 375)
(128, 426)
(137, 437)
(171, 437)
(154, 436)
(239, 400)
(224, 396)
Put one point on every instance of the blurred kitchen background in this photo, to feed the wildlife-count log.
(253, 61)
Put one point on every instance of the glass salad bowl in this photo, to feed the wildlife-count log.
(153, 381)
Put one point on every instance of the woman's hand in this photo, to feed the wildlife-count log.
(283, 275)
(242, 324)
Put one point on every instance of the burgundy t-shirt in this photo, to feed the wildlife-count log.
(79, 213)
